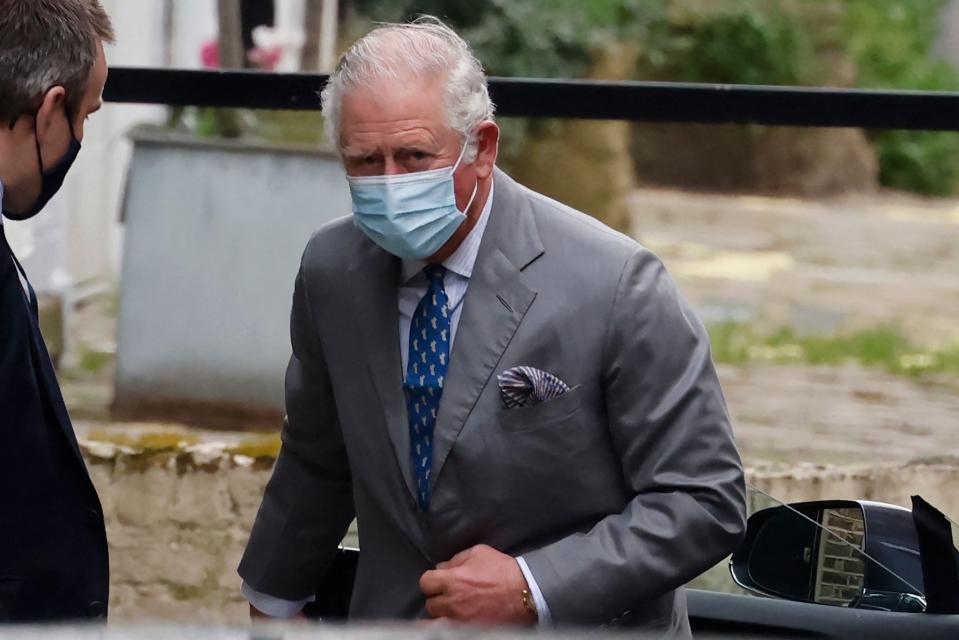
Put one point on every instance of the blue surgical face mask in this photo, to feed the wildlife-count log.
(410, 215)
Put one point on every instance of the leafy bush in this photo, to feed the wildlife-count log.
(890, 43)
(742, 47)
(925, 162)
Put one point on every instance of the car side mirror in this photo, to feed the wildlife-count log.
(838, 553)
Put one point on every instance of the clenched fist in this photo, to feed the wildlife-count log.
(479, 585)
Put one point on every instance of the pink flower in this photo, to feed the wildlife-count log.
(210, 55)
(266, 58)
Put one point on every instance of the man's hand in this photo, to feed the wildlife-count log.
(478, 585)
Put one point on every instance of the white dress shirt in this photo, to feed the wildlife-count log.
(459, 266)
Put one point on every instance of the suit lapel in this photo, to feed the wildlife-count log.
(496, 302)
(375, 299)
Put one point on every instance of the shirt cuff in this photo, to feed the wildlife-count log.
(542, 609)
(275, 607)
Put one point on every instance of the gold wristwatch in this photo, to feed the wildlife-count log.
(530, 602)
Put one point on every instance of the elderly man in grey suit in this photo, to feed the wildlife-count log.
(513, 400)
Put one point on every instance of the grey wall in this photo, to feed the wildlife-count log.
(214, 235)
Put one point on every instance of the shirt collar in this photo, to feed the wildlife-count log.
(462, 260)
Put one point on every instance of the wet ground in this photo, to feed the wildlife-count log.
(822, 267)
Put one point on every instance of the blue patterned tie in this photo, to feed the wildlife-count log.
(429, 356)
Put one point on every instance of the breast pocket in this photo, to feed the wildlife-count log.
(544, 415)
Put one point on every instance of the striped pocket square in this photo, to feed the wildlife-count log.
(525, 386)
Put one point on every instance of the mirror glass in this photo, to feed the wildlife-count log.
(816, 558)
(840, 569)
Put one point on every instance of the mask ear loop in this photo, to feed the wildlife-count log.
(66, 112)
(475, 188)
(472, 197)
(462, 155)
(36, 136)
(36, 139)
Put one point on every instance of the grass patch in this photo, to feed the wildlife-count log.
(94, 361)
(884, 347)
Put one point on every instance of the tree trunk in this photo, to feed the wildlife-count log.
(231, 34)
(312, 30)
(328, 35)
(320, 30)
(232, 56)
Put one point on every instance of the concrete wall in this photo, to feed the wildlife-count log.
(178, 517)
(176, 540)
(214, 237)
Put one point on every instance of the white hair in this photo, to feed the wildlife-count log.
(424, 48)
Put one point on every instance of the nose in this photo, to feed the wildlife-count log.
(391, 167)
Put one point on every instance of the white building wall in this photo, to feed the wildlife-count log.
(74, 248)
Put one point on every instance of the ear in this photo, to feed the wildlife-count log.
(487, 135)
(50, 112)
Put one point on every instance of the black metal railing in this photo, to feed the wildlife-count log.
(542, 98)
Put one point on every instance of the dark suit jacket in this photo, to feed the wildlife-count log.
(616, 493)
(53, 547)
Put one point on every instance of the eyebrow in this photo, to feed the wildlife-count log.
(359, 152)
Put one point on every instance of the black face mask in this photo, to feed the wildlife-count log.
(50, 180)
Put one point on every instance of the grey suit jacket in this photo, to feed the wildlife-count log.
(616, 493)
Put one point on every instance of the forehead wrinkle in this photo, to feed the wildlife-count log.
(378, 139)
(410, 124)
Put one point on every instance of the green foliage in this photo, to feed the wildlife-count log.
(295, 128)
(925, 162)
(890, 43)
(741, 47)
(94, 361)
(880, 347)
(534, 38)
(300, 128)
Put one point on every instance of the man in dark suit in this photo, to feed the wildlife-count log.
(53, 547)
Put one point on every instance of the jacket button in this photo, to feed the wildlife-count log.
(97, 609)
